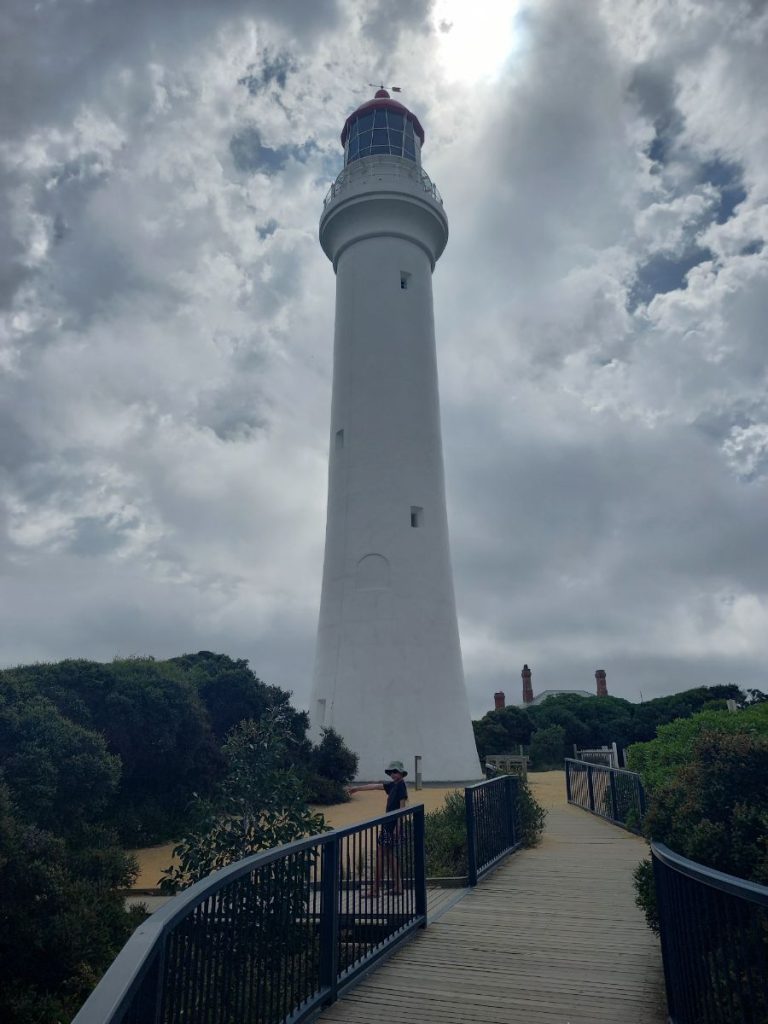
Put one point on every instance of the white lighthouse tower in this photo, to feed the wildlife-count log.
(388, 674)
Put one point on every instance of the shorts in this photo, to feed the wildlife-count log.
(390, 840)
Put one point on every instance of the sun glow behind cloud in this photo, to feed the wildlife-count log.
(474, 39)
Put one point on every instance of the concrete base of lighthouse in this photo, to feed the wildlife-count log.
(388, 671)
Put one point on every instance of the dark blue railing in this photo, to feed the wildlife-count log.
(612, 793)
(714, 942)
(493, 823)
(272, 937)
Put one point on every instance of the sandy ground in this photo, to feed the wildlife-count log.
(362, 807)
(547, 787)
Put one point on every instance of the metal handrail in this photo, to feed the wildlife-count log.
(363, 166)
(493, 823)
(731, 884)
(111, 1000)
(619, 801)
(714, 942)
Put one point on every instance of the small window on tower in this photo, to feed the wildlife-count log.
(404, 279)
(417, 516)
(339, 439)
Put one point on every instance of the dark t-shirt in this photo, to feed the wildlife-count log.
(396, 791)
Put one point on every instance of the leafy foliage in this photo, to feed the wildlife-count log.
(446, 831)
(660, 760)
(96, 756)
(548, 747)
(596, 721)
(502, 731)
(260, 804)
(708, 800)
(532, 815)
(61, 917)
(332, 767)
(446, 838)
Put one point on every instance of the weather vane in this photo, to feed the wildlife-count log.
(391, 88)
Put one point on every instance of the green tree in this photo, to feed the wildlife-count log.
(332, 767)
(548, 748)
(259, 805)
(502, 731)
(62, 918)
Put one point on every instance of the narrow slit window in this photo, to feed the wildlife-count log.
(417, 516)
(404, 279)
(339, 439)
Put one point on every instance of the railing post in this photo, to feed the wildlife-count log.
(590, 788)
(641, 798)
(614, 795)
(568, 780)
(329, 919)
(471, 838)
(513, 786)
(420, 862)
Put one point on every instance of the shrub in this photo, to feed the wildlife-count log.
(325, 791)
(259, 805)
(446, 832)
(659, 760)
(446, 838)
(707, 799)
(532, 816)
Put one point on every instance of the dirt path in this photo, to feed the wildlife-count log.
(362, 807)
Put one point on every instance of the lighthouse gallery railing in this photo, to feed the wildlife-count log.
(381, 165)
(273, 936)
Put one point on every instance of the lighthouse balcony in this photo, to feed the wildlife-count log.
(391, 171)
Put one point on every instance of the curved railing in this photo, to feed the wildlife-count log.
(611, 793)
(275, 935)
(493, 823)
(362, 168)
(714, 941)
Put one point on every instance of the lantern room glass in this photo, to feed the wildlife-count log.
(379, 132)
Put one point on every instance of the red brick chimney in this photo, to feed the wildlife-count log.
(602, 685)
(499, 701)
(527, 688)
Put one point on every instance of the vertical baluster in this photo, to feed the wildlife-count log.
(470, 819)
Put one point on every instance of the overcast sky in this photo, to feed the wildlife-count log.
(601, 310)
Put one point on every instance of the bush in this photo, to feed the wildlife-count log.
(446, 832)
(708, 799)
(259, 805)
(532, 816)
(325, 791)
(446, 838)
(659, 760)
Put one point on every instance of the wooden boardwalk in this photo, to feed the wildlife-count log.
(551, 937)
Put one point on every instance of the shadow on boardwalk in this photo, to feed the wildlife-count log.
(552, 936)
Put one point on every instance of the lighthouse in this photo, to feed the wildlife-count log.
(388, 674)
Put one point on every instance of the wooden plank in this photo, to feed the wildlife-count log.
(552, 936)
